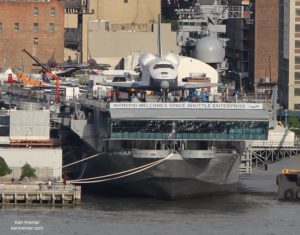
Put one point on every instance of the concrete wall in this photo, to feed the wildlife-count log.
(46, 161)
(121, 44)
(133, 15)
(12, 42)
(28, 125)
(70, 21)
(136, 15)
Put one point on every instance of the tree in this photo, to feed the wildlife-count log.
(4, 169)
(27, 171)
(293, 121)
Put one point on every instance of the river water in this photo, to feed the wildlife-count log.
(254, 209)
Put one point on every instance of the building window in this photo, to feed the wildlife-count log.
(107, 26)
(51, 27)
(297, 76)
(297, 12)
(35, 27)
(297, 91)
(17, 26)
(125, 1)
(297, 27)
(52, 11)
(297, 44)
(297, 59)
(297, 106)
(35, 11)
(1, 27)
(35, 41)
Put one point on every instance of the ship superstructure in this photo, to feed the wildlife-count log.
(202, 30)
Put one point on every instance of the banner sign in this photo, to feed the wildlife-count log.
(152, 105)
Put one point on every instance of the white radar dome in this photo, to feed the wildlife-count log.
(146, 58)
(209, 50)
(173, 58)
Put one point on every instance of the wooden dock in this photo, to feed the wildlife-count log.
(40, 194)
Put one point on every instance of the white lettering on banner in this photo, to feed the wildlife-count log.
(151, 105)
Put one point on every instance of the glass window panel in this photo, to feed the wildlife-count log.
(35, 41)
(17, 26)
(297, 91)
(35, 11)
(51, 27)
(297, 106)
(52, 11)
(35, 27)
(185, 129)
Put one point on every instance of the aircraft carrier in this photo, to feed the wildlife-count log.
(184, 139)
(198, 144)
(188, 145)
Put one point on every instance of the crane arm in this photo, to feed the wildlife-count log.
(47, 72)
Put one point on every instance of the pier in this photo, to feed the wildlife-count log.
(40, 194)
(261, 156)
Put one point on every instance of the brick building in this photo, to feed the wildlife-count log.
(263, 63)
(254, 44)
(36, 25)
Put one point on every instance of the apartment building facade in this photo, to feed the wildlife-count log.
(34, 25)
(289, 55)
(253, 43)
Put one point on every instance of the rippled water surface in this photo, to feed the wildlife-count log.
(254, 209)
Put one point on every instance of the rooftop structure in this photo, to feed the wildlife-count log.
(110, 16)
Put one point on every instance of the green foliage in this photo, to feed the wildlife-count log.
(293, 121)
(174, 23)
(297, 131)
(27, 171)
(4, 169)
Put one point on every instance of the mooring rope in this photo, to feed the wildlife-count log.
(81, 160)
(121, 174)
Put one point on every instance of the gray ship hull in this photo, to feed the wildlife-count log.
(177, 177)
